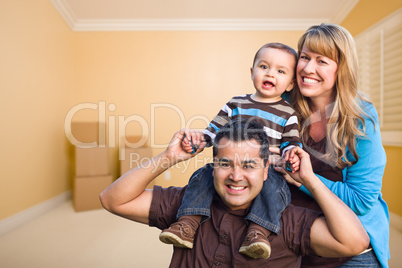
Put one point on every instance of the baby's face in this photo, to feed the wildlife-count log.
(273, 74)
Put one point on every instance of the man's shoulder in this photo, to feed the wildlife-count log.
(296, 227)
(164, 206)
(295, 216)
(294, 209)
(170, 194)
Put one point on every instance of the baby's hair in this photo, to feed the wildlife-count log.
(279, 46)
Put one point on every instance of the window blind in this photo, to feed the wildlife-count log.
(379, 50)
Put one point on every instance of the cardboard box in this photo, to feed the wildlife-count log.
(87, 190)
(131, 141)
(91, 161)
(134, 157)
(84, 133)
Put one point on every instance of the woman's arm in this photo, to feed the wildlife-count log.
(362, 181)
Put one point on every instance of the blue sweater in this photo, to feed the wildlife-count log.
(361, 186)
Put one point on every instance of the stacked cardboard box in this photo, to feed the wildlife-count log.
(92, 172)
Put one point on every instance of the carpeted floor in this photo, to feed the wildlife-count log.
(63, 238)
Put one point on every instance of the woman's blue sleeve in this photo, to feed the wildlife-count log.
(362, 181)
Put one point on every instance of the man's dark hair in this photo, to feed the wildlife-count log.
(244, 130)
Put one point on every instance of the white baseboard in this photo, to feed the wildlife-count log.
(395, 221)
(27, 215)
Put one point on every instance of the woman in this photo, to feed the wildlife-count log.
(340, 131)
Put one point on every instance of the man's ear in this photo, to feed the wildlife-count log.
(266, 171)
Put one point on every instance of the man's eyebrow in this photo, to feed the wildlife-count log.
(223, 160)
(227, 160)
(251, 161)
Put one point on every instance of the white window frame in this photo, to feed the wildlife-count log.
(373, 63)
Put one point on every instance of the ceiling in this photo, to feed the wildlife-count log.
(104, 15)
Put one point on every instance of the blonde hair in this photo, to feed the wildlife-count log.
(336, 43)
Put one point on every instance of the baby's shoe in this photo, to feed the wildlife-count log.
(256, 245)
(180, 234)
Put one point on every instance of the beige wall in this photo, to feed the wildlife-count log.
(47, 69)
(366, 14)
(191, 74)
(392, 183)
(36, 91)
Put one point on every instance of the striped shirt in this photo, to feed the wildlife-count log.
(279, 120)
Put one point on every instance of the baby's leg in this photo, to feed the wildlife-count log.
(196, 204)
(265, 215)
(256, 244)
(181, 233)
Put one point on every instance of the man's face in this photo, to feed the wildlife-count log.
(239, 172)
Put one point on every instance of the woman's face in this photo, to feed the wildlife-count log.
(316, 75)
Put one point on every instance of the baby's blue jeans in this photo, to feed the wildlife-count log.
(266, 209)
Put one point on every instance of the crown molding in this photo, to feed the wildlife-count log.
(346, 7)
(195, 25)
(66, 12)
(81, 25)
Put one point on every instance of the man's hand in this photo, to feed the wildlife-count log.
(192, 141)
(128, 197)
(292, 159)
(179, 148)
(280, 166)
(305, 171)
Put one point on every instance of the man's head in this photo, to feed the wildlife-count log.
(241, 150)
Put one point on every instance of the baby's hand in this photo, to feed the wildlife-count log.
(186, 145)
(293, 160)
(192, 141)
(294, 163)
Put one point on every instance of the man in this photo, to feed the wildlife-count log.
(240, 169)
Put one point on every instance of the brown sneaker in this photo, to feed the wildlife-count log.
(256, 245)
(180, 234)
